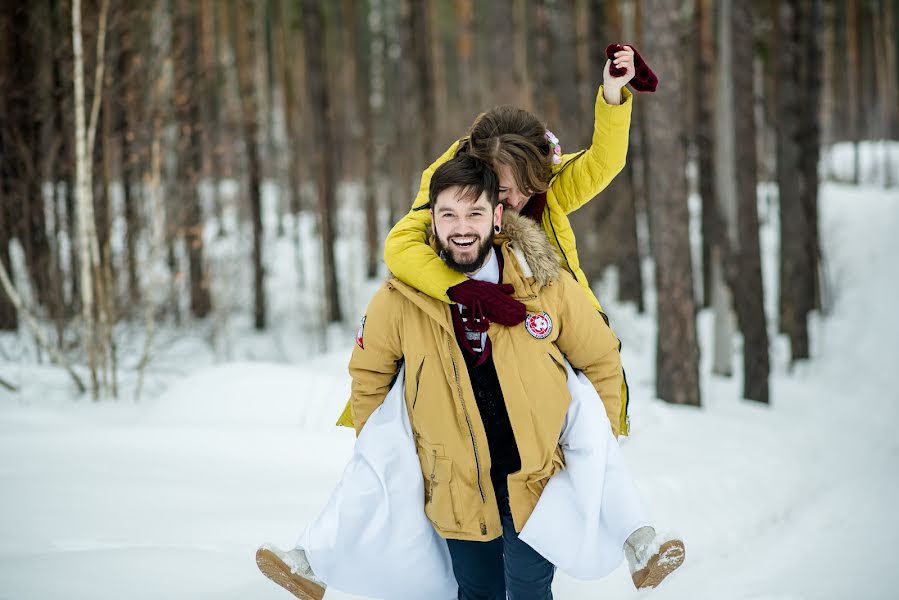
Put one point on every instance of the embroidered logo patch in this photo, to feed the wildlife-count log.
(359, 334)
(538, 325)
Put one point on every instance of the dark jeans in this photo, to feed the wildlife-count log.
(506, 565)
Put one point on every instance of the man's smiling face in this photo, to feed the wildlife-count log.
(464, 228)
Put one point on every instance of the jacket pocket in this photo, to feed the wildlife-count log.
(440, 505)
(418, 371)
(536, 482)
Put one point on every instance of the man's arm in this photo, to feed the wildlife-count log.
(590, 346)
(375, 359)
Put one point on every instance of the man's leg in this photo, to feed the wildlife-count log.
(529, 576)
(478, 567)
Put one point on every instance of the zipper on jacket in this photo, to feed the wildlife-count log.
(477, 460)
(552, 226)
(562, 250)
(417, 382)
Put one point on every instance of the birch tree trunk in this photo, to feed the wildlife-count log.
(84, 145)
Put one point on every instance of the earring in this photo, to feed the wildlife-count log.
(496, 228)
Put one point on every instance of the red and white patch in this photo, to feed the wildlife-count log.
(360, 333)
(538, 325)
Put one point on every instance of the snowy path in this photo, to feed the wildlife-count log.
(170, 498)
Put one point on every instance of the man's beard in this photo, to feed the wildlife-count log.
(446, 253)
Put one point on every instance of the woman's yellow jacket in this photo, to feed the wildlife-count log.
(576, 180)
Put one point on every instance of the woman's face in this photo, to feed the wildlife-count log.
(509, 194)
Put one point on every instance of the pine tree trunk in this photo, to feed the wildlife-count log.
(543, 52)
(811, 26)
(408, 142)
(890, 46)
(522, 42)
(282, 47)
(245, 30)
(576, 134)
(465, 50)
(853, 74)
(190, 144)
(421, 33)
(502, 54)
(22, 121)
(586, 73)
(324, 165)
(9, 319)
(828, 68)
(397, 109)
(706, 93)
(211, 101)
(128, 110)
(615, 220)
(370, 100)
(749, 294)
(59, 161)
(441, 132)
(794, 273)
(677, 350)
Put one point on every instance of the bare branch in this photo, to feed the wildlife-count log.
(98, 78)
(35, 328)
(10, 386)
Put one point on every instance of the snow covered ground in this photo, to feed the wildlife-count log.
(170, 497)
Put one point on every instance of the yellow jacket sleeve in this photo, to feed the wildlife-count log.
(589, 344)
(406, 249)
(582, 175)
(376, 356)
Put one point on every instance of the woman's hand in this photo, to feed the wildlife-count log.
(611, 86)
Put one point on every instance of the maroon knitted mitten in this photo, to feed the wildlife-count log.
(644, 79)
(494, 299)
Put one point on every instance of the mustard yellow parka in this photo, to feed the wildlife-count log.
(402, 323)
(578, 178)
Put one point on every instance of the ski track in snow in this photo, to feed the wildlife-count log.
(171, 497)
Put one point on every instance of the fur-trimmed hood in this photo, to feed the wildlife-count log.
(535, 253)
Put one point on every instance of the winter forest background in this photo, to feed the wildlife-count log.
(194, 197)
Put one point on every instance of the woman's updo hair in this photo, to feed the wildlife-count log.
(513, 137)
